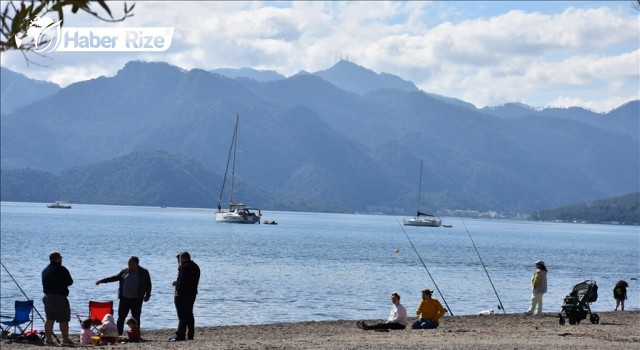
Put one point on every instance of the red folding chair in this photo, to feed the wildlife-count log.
(97, 311)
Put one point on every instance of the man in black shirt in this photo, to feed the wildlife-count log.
(185, 296)
(134, 288)
(56, 280)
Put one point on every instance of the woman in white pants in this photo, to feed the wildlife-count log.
(538, 288)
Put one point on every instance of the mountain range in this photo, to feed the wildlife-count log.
(345, 139)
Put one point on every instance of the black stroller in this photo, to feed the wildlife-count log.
(576, 304)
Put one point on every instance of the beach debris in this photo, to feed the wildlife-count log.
(485, 312)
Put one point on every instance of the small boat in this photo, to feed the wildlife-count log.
(238, 212)
(59, 205)
(422, 219)
(269, 222)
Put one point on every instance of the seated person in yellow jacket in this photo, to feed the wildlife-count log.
(429, 312)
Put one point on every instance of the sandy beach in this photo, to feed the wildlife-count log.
(616, 330)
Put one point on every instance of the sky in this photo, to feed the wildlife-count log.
(542, 54)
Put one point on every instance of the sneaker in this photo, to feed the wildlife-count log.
(528, 313)
(176, 338)
(359, 325)
(50, 342)
(68, 342)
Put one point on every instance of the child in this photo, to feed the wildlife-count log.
(85, 333)
(108, 331)
(620, 294)
(134, 334)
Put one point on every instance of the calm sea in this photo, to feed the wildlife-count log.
(310, 266)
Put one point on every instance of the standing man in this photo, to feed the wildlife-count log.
(134, 288)
(56, 280)
(429, 312)
(185, 296)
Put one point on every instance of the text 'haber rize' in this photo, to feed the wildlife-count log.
(132, 40)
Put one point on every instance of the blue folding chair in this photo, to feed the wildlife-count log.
(24, 314)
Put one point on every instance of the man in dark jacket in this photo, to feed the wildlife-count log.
(56, 280)
(134, 288)
(185, 296)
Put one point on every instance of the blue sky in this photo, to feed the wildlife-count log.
(559, 53)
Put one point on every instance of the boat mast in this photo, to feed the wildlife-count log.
(226, 171)
(419, 190)
(233, 166)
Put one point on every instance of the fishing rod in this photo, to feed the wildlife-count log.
(25, 295)
(485, 268)
(425, 267)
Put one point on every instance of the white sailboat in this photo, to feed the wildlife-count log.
(238, 212)
(422, 219)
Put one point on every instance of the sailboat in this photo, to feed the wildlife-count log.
(238, 212)
(422, 219)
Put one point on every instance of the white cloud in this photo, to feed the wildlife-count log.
(584, 55)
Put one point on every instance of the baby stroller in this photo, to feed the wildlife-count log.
(576, 304)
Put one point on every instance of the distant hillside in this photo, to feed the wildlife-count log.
(146, 178)
(343, 140)
(257, 75)
(623, 210)
(354, 78)
(16, 90)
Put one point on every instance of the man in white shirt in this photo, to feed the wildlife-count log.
(397, 317)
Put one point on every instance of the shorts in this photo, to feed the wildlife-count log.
(56, 308)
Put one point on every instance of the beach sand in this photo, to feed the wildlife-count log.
(616, 330)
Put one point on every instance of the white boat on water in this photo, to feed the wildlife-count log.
(59, 205)
(422, 219)
(238, 212)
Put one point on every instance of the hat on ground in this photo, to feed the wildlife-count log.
(539, 262)
(427, 291)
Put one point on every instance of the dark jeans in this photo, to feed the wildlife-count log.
(128, 304)
(424, 324)
(392, 325)
(184, 308)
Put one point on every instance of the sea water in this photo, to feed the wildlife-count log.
(311, 266)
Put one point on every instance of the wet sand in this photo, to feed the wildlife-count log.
(616, 330)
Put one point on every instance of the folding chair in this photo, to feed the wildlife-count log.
(97, 311)
(24, 314)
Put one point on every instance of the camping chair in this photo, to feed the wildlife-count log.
(24, 314)
(97, 311)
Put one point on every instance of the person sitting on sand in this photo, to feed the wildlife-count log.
(133, 335)
(397, 317)
(85, 332)
(109, 327)
(429, 312)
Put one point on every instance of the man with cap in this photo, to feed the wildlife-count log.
(56, 280)
(538, 288)
(185, 296)
(429, 312)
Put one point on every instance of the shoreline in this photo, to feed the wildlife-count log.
(616, 330)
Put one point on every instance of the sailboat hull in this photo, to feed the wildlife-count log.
(235, 217)
(429, 222)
